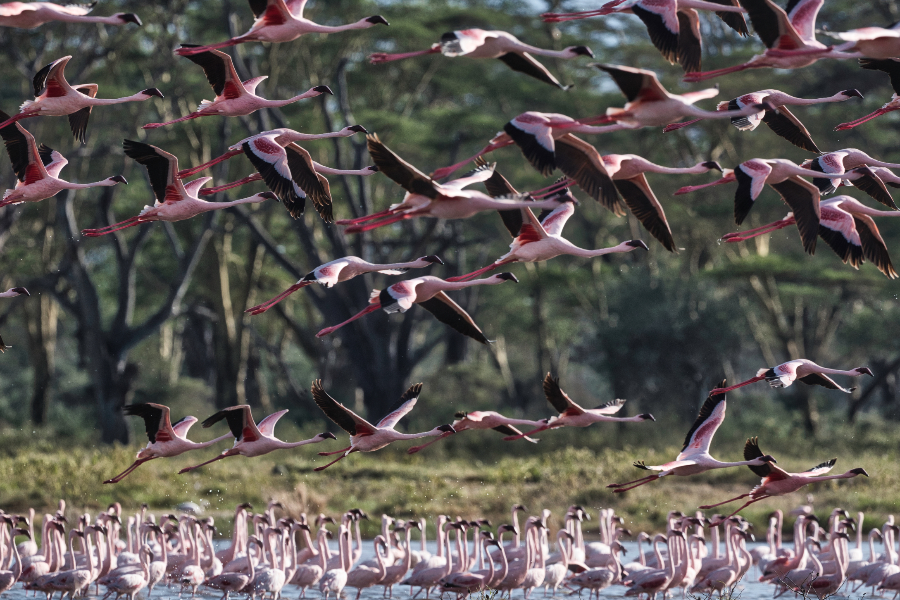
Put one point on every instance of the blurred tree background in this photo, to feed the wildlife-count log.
(156, 314)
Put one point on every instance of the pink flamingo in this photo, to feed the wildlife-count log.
(870, 42)
(429, 293)
(778, 482)
(282, 21)
(480, 43)
(37, 168)
(54, 97)
(252, 439)
(778, 118)
(847, 227)
(694, 457)
(174, 200)
(835, 164)
(341, 270)
(890, 66)
(365, 437)
(482, 419)
(165, 439)
(674, 25)
(28, 15)
(11, 293)
(573, 415)
(234, 98)
(8, 579)
(801, 369)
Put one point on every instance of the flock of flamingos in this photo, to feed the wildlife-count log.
(180, 549)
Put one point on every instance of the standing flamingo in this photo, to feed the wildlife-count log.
(694, 457)
(673, 25)
(365, 437)
(778, 118)
(341, 270)
(37, 168)
(9, 578)
(234, 98)
(573, 415)
(34, 14)
(165, 439)
(54, 97)
(174, 200)
(252, 439)
(801, 369)
(480, 43)
(281, 21)
(429, 293)
(11, 293)
(778, 482)
(482, 419)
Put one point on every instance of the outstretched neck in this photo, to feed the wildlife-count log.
(139, 97)
(219, 205)
(82, 186)
(312, 440)
(459, 285)
(696, 169)
(414, 436)
(331, 171)
(279, 103)
(520, 47)
(851, 373)
(199, 445)
(316, 28)
(576, 251)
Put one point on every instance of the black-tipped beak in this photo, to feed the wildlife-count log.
(378, 20)
(583, 51)
(119, 179)
(852, 93)
(770, 459)
(435, 260)
(358, 128)
(866, 371)
(153, 92)
(647, 417)
(131, 18)
(328, 435)
(637, 244)
(268, 195)
(508, 277)
(860, 471)
(323, 89)
(446, 428)
(713, 165)
(21, 291)
(373, 168)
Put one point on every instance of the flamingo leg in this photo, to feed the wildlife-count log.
(746, 504)
(366, 218)
(127, 471)
(9, 201)
(187, 118)
(322, 468)
(381, 57)
(447, 171)
(199, 49)
(702, 75)
(768, 226)
(233, 184)
(219, 457)
(18, 117)
(194, 170)
(573, 16)
(382, 223)
(677, 126)
(645, 481)
(415, 449)
(261, 308)
(861, 120)
(335, 452)
(132, 222)
(510, 438)
(737, 385)
(707, 506)
(362, 313)
(480, 271)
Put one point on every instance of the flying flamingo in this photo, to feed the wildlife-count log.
(778, 482)
(785, 177)
(427, 198)
(573, 415)
(34, 14)
(165, 439)
(281, 21)
(890, 66)
(429, 293)
(537, 240)
(790, 39)
(847, 227)
(341, 270)
(481, 419)
(54, 97)
(480, 43)
(783, 375)
(673, 25)
(11, 293)
(365, 437)
(252, 439)
(234, 98)
(37, 168)
(778, 118)
(174, 200)
(870, 42)
(835, 164)
(694, 457)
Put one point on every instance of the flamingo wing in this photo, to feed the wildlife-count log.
(296, 7)
(891, 66)
(752, 452)
(78, 120)
(786, 125)
(401, 409)
(240, 422)
(803, 14)
(662, 24)
(398, 170)
(460, 43)
(824, 381)
(710, 417)
(772, 25)
(452, 314)
(734, 20)
(78, 10)
(803, 198)
(219, 70)
(51, 80)
(481, 173)
(868, 181)
(558, 399)
(183, 425)
(23, 152)
(636, 84)
(874, 248)
(690, 41)
(581, 162)
(343, 417)
(751, 178)
(192, 188)
(642, 202)
(313, 184)
(532, 230)
(821, 468)
(553, 221)
(267, 425)
(271, 162)
(53, 160)
(271, 12)
(497, 185)
(162, 168)
(531, 132)
(156, 418)
(609, 408)
(526, 63)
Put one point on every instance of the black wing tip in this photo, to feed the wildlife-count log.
(413, 392)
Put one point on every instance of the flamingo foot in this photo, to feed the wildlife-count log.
(132, 222)
(703, 75)
(216, 46)
(365, 219)
(382, 57)
(261, 308)
(382, 223)
(865, 119)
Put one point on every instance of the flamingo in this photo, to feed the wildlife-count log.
(790, 38)
(55, 97)
(34, 14)
(396, 572)
(836, 164)
(785, 177)
(229, 582)
(778, 482)
(129, 584)
(11, 293)
(364, 577)
(37, 168)
(870, 42)
(480, 43)
(694, 457)
(165, 439)
(365, 437)
(344, 269)
(175, 201)
(779, 119)
(9, 578)
(430, 293)
(673, 25)
(252, 439)
(847, 227)
(801, 369)
(600, 578)
(281, 21)
(482, 419)
(427, 198)
(234, 98)
(309, 573)
(573, 415)
(334, 580)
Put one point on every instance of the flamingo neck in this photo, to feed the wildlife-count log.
(139, 97)
(220, 205)
(331, 171)
(82, 186)
(316, 28)
(574, 250)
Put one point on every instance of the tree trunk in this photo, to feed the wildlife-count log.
(41, 319)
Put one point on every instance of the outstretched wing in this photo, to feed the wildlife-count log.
(401, 409)
(156, 420)
(345, 418)
(636, 84)
(525, 63)
(78, 120)
(219, 70)
(240, 422)
(23, 152)
(642, 202)
(162, 168)
(786, 125)
(711, 415)
(452, 314)
(581, 162)
(313, 184)
(821, 469)
(752, 452)
(398, 170)
(803, 198)
(558, 399)
(824, 381)
(53, 160)
(267, 425)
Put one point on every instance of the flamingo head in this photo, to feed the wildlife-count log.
(118, 179)
(323, 89)
(852, 93)
(24, 532)
(129, 18)
(864, 371)
(579, 51)
(325, 435)
(768, 458)
(637, 244)
(262, 196)
(507, 277)
(446, 428)
(519, 507)
(432, 259)
(351, 129)
(859, 471)
(373, 168)
(504, 528)
(712, 165)
(150, 92)
(647, 417)
(377, 20)
(20, 291)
